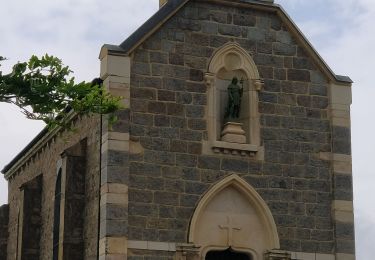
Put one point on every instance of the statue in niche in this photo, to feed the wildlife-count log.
(235, 93)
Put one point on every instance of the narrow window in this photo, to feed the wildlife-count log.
(56, 220)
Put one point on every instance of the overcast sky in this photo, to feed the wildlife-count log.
(74, 30)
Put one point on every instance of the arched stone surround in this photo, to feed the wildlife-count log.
(232, 214)
(229, 61)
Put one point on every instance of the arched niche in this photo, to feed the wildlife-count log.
(233, 61)
(233, 215)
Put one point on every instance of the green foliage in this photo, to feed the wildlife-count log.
(44, 90)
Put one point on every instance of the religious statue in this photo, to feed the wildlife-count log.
(234, 100)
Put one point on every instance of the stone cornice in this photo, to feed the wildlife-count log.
(37, 144)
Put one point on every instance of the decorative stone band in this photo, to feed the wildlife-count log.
(191, 252)
(234, 148)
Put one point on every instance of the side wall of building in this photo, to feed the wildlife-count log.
(4, 219)
(45, 163)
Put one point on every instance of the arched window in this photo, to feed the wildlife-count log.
(228, 62)
(56, 218)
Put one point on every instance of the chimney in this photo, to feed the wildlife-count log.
(162, 2)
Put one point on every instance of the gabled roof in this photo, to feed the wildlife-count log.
(171, 8)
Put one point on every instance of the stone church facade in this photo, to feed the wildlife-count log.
(172, 178)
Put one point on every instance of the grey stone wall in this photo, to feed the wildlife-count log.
(45, 163)
(168, 119)
(73, 237)
(30, 226)
(4, 219)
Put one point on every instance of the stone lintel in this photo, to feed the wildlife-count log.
(326, 156)
(341, 94)
(343, 211)
(113, 257)
(115, 136)
(235, 146)
(152, 245)
(345, 122)
(341, 99)
(113, 245)
(345, 257)
(115, 145)
(114, 188)
(117, 82)
(342, 163)
(311, 256)
(277, 255)
(340, 107)
(342, 157)
(111, 65)
(342, 205)
(120, 89)
(114, 198)
(342, 167)
(339, 113)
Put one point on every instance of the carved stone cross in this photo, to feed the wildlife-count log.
(230, 227)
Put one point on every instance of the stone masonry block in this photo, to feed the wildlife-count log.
(113, 228)
(344, 230)
(244, 20)
(341, 94)
(166, 198)
(208, 162)
(114, 211)
(235, 165)
(115, 66)
(284, 49)
(298, 75)
(186, 160)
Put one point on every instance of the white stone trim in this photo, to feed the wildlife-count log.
(171, 247)
(152, 245)
(345, 257)
(111, 65)
(342, 163)
(343, 211)
(341, 94)
(311, 256)
(256, 200)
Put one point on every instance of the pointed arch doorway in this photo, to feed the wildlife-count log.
(233, 222)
